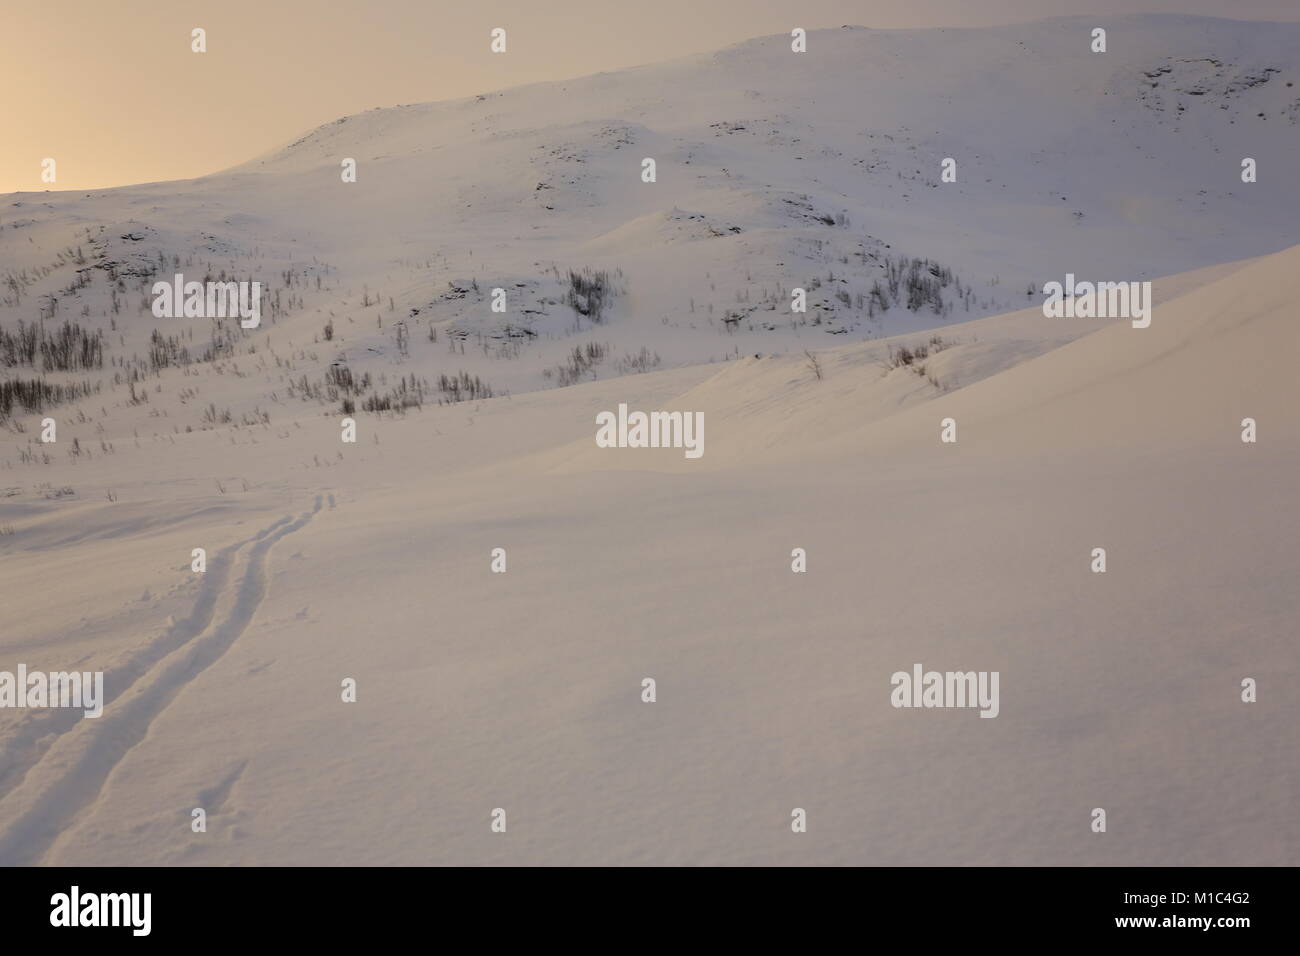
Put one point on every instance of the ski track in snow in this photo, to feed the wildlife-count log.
(65, 761)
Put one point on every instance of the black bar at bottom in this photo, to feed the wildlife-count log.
(331, 906)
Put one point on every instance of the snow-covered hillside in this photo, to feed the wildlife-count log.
(775, 171)
(522, 690)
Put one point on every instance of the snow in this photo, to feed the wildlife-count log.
(522, 690)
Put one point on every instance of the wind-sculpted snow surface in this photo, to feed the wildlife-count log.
(753, 506)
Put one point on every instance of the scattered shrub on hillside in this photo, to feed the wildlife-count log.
(166, 351)
(339, 376)
(36, 394)
(68, 348)
(215, 416)
(462, 387)
(589, 292)
(578, 364)
(408, 393)
(642, 361)
(914, 283)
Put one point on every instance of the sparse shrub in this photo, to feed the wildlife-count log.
(67, 349)
(214, 416)
(813, 364)
(408, 393)
(642, 361)
(71, 347)
(166, 351)
(19, 348)
(578, 364)
(339, 376)
(914, 283)
(915, 356)
(589, 292)
(462, 387)
(36, 394)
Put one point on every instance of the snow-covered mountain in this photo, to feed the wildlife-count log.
(775, 170)
(373, 561)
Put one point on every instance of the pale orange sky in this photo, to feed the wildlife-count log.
(112, 92)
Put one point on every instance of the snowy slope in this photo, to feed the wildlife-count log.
(775, 170)
(522, 690)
